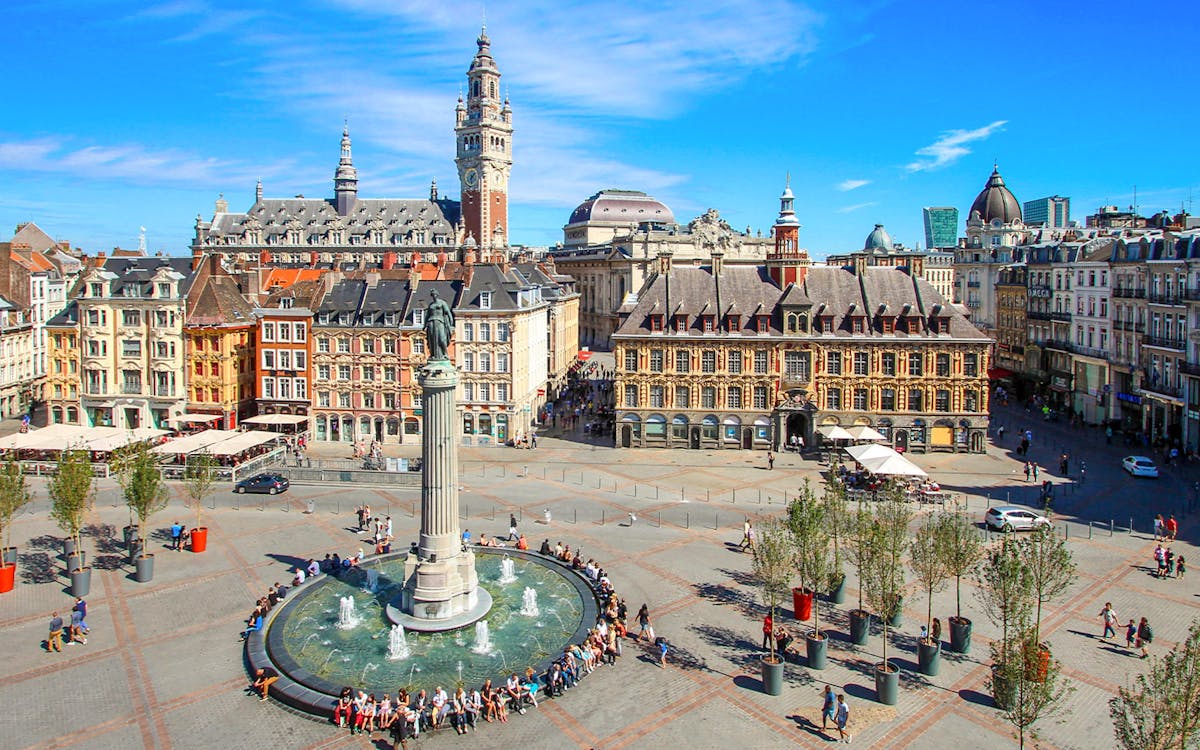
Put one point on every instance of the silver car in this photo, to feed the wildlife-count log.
(1014, 518)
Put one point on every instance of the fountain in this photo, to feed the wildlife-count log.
(347, 617)
(366, 671)
(397, 644)
(483, 639)
(371, 584)
(508, 571)
(529, 605)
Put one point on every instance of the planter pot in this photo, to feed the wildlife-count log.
(1003, 692)
(131, 535)
(960, 635)
(68, 547)
(8, 577)
(136, 547)
(1037, 672)
(10, 555)
(145, 569)
(929, 658)
(81, 582)
(860, 626)
(887, 684)
(199, 538)
(838, 594)
(802, 603)
(816, 648)
(772, 676)
(896, 620)
(76, 560)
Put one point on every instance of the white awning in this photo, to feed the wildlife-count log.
(864, 432)
(871, 451)
(196, 418)
(243, 441)
(276, 419)
(894, 466)
(835, 432)
(199, 441)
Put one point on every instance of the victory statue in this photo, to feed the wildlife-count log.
(439, 327)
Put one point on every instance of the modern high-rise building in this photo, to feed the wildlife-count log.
(1054, 211)
(941, 226)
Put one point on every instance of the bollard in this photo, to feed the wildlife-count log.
(1008, 496)
(716, 521)
(707, 495)
(1111, 527)
(597, 481)
(602, 516)
(575, 516)
(1089, 529)
(1131, 527)
(526, 474)
(681, 497)
(656, 492)
(658, 520)
(733, 496)
(262, 504)
(285, 506)
(687, 520)
(760, 496)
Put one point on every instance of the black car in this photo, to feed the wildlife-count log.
(272, 484)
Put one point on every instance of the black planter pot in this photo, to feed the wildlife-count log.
(81, 582)
(772, 676)
(815, 649)
(76, 560)
(960, 635)
(68, 547)
(136, 547)
(1003, 691)
(10, 555)
(860, 626)
(929, 658)
(838, 594)
(145, 569)
(896, 620)
(131, 535)
(887, 685)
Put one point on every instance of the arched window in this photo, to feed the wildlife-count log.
(803, 323)
(493, 89)
(475, 88)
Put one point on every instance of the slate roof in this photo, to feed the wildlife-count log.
(218, 301)
(396, 217)
(139, 272)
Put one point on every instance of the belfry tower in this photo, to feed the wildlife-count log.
(483, 126)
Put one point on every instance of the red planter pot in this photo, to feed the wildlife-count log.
(802, 603)
(8, 576)
(199, 539)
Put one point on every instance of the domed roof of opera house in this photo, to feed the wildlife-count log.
(996, 201)
(622, 207)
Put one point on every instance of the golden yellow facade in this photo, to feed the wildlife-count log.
(62, 374)
(220, 372)
(1012, 302)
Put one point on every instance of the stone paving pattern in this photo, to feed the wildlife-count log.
(163, 667)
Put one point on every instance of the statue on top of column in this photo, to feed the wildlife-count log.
(439, 327)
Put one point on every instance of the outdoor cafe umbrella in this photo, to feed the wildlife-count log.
(864, 432)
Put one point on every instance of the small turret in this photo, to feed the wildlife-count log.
(345, 179)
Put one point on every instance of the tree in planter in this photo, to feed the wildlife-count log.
(199, 478)
(145, 492)
(1159, 711)
(807, 524)
(885, 574)
(772, 568)
(1035, 685)
(14, 495)
(1006, 592)
(1050, 567)
(928, 562)
(862, 531)
(961, 549)
(71, 492)
(837, 523)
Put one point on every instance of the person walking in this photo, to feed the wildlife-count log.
(1172, 528)
(843, 718)
(1145, 636)
(512, 528)
(1028, 470)
(647, 629)
(745, 545)
(1035, 471)
(828, 708)
(768, 629)
(1109, 617)
(1159, 528)
(54, 639)
(1131, 633)
(770, 461)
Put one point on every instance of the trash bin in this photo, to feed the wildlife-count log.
(310, 507)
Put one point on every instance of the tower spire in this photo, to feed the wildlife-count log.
(345, 179)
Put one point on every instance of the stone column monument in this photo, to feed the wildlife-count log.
(441, 589)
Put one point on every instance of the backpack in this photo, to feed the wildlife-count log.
(1148, 635)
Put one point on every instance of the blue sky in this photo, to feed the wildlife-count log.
(125, 114)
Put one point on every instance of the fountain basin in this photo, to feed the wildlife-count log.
(311, 686)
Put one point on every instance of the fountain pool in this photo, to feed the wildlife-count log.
(369, 654)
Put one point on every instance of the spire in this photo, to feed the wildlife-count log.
(258, 193)
(345, 179)
(787, 214)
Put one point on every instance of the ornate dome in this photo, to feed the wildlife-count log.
(621, 207)
(996, 202)
(878, 239)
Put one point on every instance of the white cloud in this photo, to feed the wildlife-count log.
(855, 207)
(847, 185)
(951, 147)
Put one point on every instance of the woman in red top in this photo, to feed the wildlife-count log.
(768, 631)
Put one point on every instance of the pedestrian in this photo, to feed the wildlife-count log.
(770, 461)
(1109, 616)
(745, 545)
(75, 629)
(936, 633)
(768, 629)
(1160, 558)
(1145, 636)
(1159, 528)
(54, 639)
(81, 608)
(176, 535)
(1000, 433)
(1062, 464)
(1082, 471)
(1172, 528)
(647, 628)
(512, 528)
(1035, 471)
(828, 708)
(1180, 566)
(662, 651)
(632, 518)
(1028, 470)
(1130, 633)
(843, 718)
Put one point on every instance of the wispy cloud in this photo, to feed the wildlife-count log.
(951, 146)
(132, 163)
(847, 185)
(855, 207)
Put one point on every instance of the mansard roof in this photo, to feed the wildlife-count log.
(314, 217)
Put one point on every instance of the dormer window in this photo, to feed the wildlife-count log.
(286, 303)
(656, 323)
(680, 323)
(419, 316)
(95, 290)
(707, 323)
(826, 324)
(761, 323)
(344, 319)
(858, 324)
(164, 290)
(485, 300)
(389, 319)
(731, 322)
(889, 324)
(323, 318)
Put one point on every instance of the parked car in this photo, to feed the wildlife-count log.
(1139, 466)
(272, 484)
(1012, 518)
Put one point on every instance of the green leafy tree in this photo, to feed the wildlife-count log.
(885, 575)
(928, 561)
(145, 491)
(1006, 591)
(199, 478)
(861, 537)
(1161, 709)
(1051, 568)
(810, 541)
(961, 549)
(772, 567)
(71, 491)
(837, 521)
(1033, 681)
(14, 495)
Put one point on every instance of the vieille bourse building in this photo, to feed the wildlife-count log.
(746, 356)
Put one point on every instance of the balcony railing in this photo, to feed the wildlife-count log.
(972, 284)
(1037, 315)
(130, 389)
(1062, 346)
(1165, 298)
(1129, 293)
(1165, 390)
(1165, 343)
(1188, 368)
(1091, 351)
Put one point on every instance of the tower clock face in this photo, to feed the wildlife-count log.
(471, 177)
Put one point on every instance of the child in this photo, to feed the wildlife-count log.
(1179, 566)
(662, 651)
(1130, 633)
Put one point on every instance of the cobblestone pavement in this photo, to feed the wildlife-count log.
(163, 669)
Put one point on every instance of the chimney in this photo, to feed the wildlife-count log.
(664, 261)
(329, 279)
(860, 264)
(718, 261)
(389, 260)
(414, 278)
(264, 257)
(314, 258)
(441, 259)
(214, 265)
(372, 278)
(917, 267)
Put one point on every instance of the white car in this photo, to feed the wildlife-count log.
(1013, 518)
(1139, 466)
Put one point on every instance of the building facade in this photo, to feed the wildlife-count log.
(1091, 336)
(1012, 303)
(62, 385)
(483, 131)
(219, 336)
(1054, 211)
(283, 365)
(17, 359)
(941, 226)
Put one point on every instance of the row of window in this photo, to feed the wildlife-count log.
(284, 389)
(365, 373)
(131, 348)
(483, 392)
(345, 400)
(160, 318)
(483, 362)
(284, 331)
(285, 359)
(484, 331)
(162, 290)
(890, 399)
(798, 364)
(95, 383)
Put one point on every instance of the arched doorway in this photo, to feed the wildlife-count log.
(901, 440)
(695, 441)
(748, 438)
(799, 424)
(626, 435)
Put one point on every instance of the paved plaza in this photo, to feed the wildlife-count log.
(163, 664)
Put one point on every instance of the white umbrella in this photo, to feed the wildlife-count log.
(894, 466)
(870, 452)
(864, 432)
(835, 432)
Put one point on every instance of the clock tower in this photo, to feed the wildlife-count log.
(483, 130)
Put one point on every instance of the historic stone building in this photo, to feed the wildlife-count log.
(284, 351)
(16, 358)
(879, 250)
(725, 356)
(220, 336)
(1012, 304)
